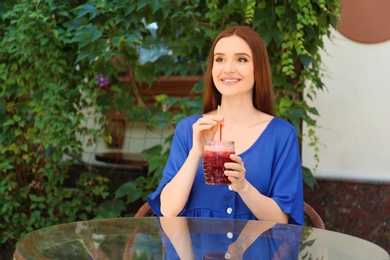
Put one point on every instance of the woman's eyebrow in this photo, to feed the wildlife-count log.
(235, 54)
(241, 54)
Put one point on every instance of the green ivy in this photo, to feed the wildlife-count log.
(41, 120)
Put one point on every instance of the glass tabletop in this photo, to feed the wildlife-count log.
(191, 238)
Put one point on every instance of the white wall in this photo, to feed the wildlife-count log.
(354, 112)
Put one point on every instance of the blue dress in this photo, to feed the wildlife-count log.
(272, 166)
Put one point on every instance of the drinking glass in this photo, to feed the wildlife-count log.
(216, 153)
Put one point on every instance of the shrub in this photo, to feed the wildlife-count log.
(42, 98)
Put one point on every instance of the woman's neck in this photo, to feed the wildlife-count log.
(240, 114)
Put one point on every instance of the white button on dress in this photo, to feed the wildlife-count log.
(229, 210)
(229, 235)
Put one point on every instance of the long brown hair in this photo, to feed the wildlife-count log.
(263, 98)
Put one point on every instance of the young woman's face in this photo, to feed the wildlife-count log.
(233, 71)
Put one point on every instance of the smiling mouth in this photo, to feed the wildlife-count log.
(230, 80)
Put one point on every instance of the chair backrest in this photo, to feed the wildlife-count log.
(310, 214)
(144, 211)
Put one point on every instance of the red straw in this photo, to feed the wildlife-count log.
(220, 132)
(220, 125)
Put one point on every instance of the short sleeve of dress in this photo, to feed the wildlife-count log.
(286, 182)
(179, 150)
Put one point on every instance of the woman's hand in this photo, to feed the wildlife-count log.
(236, 172)
(204, 130)
(235, 251)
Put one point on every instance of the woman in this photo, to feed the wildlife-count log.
(266, 179)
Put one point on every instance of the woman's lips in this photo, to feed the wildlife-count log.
(230, 81)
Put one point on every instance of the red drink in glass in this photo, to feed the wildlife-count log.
(216, 153)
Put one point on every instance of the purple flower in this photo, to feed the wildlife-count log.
(102, 80)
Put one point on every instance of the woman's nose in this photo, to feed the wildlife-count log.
(229, 66)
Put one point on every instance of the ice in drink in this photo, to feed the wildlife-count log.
(216, 153)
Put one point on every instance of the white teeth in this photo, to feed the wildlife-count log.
(230, 80)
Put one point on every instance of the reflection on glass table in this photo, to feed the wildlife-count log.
(191, 238)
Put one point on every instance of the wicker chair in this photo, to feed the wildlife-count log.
(310, 214)
(144, 211)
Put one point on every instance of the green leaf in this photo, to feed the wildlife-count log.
(88, 8)
(145, 73)
(3, 105)
(134, 196)
(86, 35)
(110, 209)
(314, 111)
(286, 102)
(125, 189)
(35, 198)
(280, 10)
(308, 177)
(306, 60)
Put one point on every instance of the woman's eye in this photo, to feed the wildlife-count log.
(218, 60)
(242, 60)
